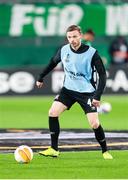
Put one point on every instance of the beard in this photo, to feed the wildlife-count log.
(75, 44)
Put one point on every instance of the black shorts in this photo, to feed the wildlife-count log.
(69, 97)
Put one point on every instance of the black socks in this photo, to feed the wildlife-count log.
(100, 136)
(54, 131)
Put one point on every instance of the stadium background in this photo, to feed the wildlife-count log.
(29, 39)
(30, 33)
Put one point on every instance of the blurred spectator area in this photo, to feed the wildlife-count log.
(20, 51)
(36, 51)
(65, 1)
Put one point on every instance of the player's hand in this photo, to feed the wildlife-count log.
(39, 84)
(96, 103)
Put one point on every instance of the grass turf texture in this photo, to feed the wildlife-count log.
(69, 165)
(31, 112)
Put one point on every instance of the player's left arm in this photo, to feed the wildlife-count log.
(102, 78)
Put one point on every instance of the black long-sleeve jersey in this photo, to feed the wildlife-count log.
(96, 64)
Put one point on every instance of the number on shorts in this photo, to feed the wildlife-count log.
(89, 102)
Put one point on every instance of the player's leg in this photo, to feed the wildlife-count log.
(56, 109)
(61, 103)
(99, 133)
(92, 115)
(98, 130)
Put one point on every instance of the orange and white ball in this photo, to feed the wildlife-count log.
(23, 154)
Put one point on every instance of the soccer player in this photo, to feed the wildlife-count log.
(80, 63)
(88, 37)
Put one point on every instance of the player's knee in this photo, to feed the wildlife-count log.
(95, 124)
(53, 113)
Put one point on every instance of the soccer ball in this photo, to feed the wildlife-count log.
(105, 107)
(23, 154)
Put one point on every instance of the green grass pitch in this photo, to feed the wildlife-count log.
(70, 165)
(32, 112)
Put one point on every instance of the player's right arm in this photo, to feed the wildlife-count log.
(54, 61)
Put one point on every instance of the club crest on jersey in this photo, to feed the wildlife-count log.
(67, 58)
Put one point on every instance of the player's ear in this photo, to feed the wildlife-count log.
(81, 35)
